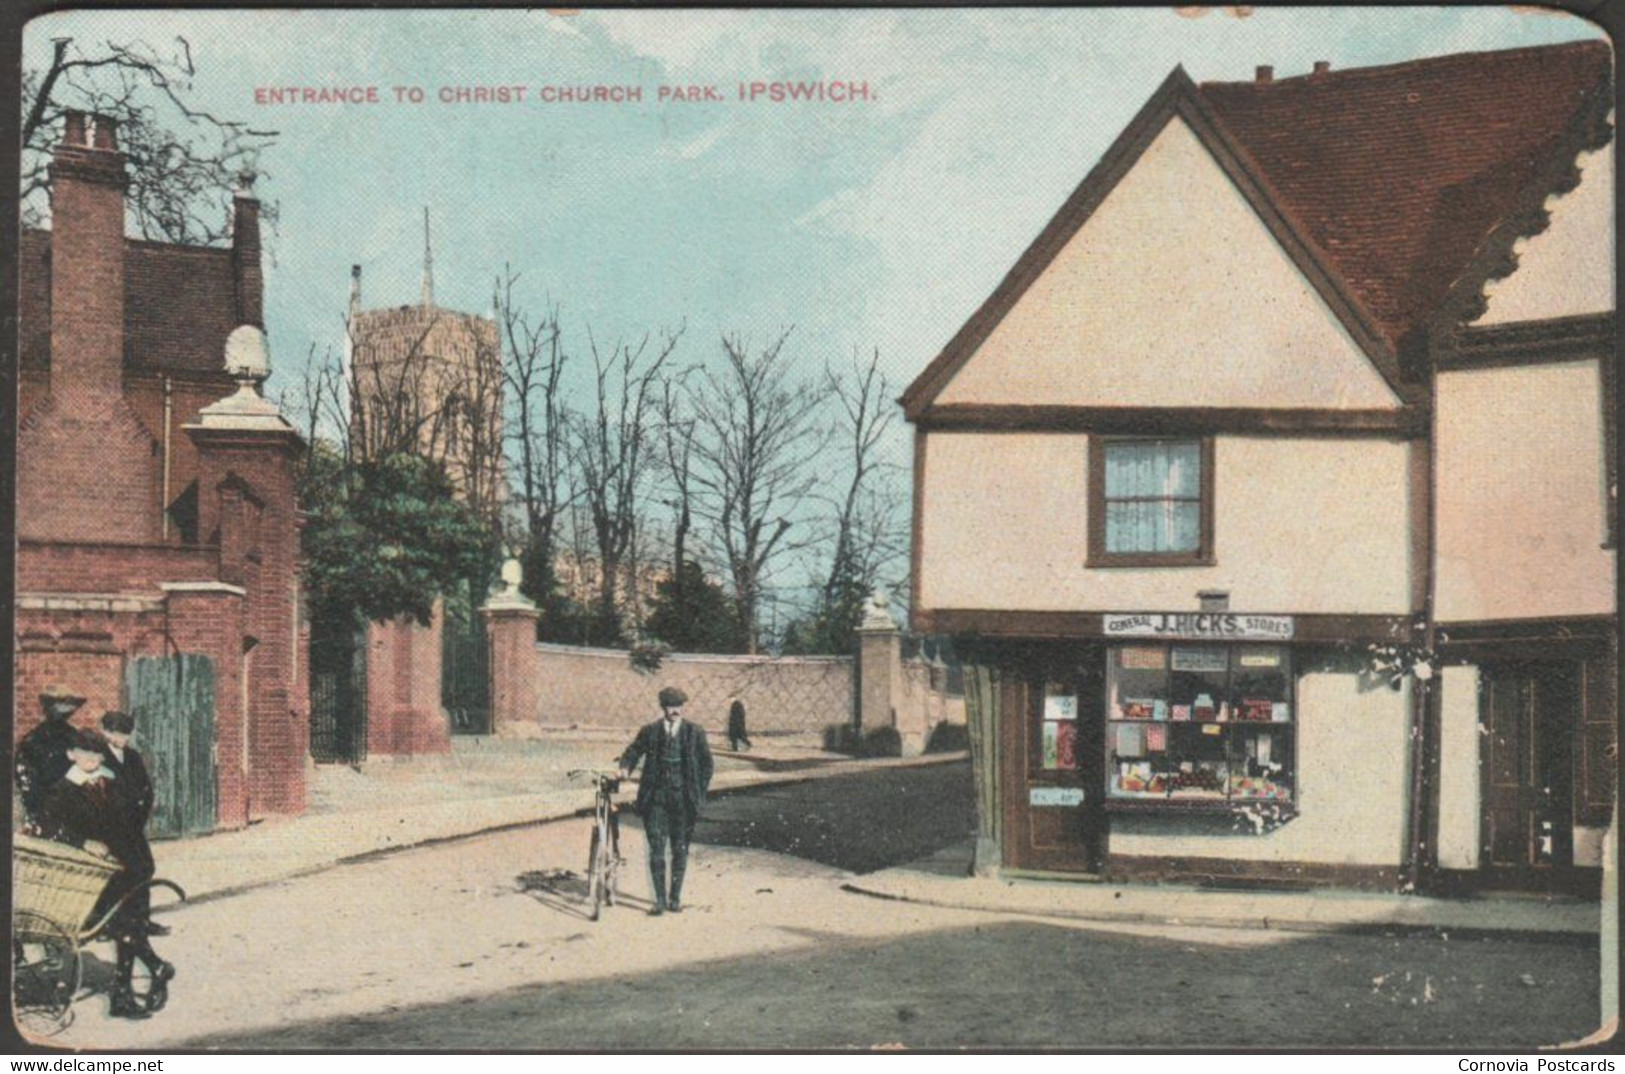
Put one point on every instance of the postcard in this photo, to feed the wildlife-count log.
(569, 530)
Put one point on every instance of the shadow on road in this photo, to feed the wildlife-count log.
(1017, 984)
(860, 823)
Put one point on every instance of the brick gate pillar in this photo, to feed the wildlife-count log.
(510, 625)
(248, 509)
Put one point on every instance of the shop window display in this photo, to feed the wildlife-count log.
(1192, 724)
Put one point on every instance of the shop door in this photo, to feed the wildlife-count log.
(1530, 711)
(1051, 778)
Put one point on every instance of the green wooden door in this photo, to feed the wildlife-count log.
(172, 700)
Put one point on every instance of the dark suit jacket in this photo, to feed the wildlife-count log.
(133, 783)
(651, 744)
(42, 759)
(73, 814)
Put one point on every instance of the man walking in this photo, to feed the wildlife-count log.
(676, 772)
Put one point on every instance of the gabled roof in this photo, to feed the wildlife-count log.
(180, 304)
(1399, 173)
(1383, 184)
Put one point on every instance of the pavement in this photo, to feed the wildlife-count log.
(484, 785)
(943, 880)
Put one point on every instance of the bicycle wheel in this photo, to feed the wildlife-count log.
(595, 874)
(45, 973)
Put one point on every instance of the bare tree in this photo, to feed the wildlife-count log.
(757, 441)
(614, 446)
(184, 159)
(533, 373)
(677, 426)
(865, 515)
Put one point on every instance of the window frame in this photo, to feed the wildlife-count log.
(1098, 556)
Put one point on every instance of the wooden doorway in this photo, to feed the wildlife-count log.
(1051, 779)
(1529, 713)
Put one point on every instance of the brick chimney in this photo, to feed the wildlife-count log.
(87, 259)
(247, 274)
(1322, 69)
(86, 470)
(1263, 74)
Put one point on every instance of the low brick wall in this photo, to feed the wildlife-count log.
(578, 687)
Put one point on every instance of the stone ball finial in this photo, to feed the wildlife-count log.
(877, 611)
(513, 572)
(248, 356)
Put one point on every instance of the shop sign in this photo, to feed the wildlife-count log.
(1054, 796)
(1217, 625)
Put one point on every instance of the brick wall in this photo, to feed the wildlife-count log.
(577, 687)
(46, 567)
(404, 716)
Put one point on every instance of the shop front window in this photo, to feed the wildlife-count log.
(1193, 724)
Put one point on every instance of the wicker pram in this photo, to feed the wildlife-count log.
(55, 883)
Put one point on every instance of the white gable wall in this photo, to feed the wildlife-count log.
(1568, 269)
(1174, 293)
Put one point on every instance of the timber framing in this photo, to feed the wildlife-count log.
(1403, 422)
(1263, 874)
(1558, 339)
(1177, 97)
(1553, 638)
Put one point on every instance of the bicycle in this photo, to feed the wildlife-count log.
(604, 859)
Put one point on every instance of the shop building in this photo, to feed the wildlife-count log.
(1271, 490)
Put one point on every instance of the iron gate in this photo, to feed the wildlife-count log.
(172, 700)
(465, 660)
(338, 691)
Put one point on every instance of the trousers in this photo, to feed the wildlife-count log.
(668, 822)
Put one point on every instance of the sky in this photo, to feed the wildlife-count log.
(862, 224)
(879, 223)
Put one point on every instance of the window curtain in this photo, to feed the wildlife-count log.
(1153, 496)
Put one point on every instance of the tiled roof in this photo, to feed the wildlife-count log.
(1399, 173)
(180, 304)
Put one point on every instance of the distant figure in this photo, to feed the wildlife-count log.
(42, 755)
(736, 726)
(676, 772)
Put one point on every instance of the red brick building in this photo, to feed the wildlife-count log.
(156, 518)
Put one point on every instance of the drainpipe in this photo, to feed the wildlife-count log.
(163, 507)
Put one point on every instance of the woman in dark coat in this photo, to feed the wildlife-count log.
(85, 806)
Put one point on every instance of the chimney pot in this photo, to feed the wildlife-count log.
(1264, 75)
(1323, 67)
(107, 133)
(73, 131)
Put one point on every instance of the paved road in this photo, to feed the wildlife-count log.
(481, 944)
(857, 823)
